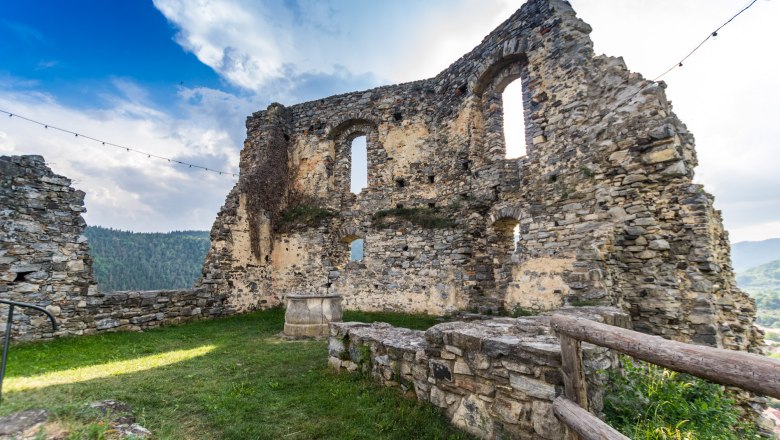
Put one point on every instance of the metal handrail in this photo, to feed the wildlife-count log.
(7, 341)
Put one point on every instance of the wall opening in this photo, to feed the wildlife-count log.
(505, 250)
(358, 166)
(356, 250)
(21, 276)
(507, 236)
(514, 120)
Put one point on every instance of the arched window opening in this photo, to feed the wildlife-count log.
(356, 250)
(514, 120)
(359, 165)
(508, 235)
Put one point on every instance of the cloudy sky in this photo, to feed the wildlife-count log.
(177, 78)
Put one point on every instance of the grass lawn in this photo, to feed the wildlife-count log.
(230, 378)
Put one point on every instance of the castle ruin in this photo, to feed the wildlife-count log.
(600, 219)
(603, 201)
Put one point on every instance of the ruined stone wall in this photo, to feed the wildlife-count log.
(604, 199)
(494, 379)
(44, 260)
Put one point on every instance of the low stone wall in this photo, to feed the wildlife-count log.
(116, 311)
(140, 310)
(495, 378)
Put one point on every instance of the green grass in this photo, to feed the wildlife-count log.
(649, 402)
(229, 378)
(417, 322)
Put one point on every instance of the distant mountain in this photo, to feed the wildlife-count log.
(763, 283)
(126, 260)
(748, 254)
(763, 277)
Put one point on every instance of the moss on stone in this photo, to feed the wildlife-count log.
(429, 218)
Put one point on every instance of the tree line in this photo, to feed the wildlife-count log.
(125, 260)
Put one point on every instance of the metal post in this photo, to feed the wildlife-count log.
(7, 341)
(6, 344)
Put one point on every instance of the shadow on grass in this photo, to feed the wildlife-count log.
(250, 386)
(34, 358)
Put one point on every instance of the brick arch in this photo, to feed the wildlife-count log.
(505, 213)
(351, 124)
(348, 234)
(505, 69)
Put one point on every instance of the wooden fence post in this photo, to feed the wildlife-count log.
(573, 377)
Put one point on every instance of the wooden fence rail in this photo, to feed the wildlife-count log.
(752, 372)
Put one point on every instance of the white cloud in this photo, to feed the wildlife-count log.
(127, 190)
(253, 43)
(293, 50)
(726, 92)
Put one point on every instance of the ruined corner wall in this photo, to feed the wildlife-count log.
(604, 199)
(44, 260)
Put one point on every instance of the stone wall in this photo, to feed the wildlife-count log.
(604, 199)
(44, 260)
(494, 378)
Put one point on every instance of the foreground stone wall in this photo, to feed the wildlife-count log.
(44, 260)
(494, 378)
(604, 200)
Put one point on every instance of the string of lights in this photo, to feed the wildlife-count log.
(122, 147)
(712, 34)
(679, 64)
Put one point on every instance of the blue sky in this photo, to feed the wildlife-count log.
(178, 78)
(74, 49)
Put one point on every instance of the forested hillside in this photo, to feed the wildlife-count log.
(763, 284)
(126, 260)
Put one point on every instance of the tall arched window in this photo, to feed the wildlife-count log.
(514, 120)
(359, 165)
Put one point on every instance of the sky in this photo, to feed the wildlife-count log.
(178, 78)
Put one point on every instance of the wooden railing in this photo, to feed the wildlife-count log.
(752, 372)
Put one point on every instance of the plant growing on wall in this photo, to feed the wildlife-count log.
(268, 182)
(424, 217)
(269, 185)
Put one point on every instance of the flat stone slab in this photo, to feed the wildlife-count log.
(23, 424)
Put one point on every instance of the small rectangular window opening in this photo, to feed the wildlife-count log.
(400, 183)
(431, 179)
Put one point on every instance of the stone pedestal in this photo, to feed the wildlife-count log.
(309, 315)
